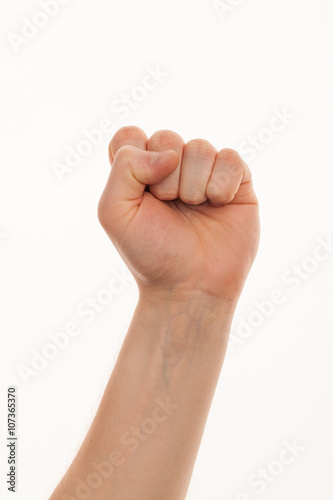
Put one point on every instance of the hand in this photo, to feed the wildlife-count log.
(184, 217)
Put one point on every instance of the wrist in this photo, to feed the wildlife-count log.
(187, 295)
(188, 316)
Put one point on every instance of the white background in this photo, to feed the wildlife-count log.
(227, 74)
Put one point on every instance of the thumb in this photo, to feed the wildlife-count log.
(132, 170)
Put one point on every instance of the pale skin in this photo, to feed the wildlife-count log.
(185, 219)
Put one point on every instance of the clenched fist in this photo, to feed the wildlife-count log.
(184, 217)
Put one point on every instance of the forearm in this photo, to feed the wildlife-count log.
(151, 418)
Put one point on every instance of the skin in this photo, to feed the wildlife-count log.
(185, 219)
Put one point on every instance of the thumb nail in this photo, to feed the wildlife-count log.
(160, 157)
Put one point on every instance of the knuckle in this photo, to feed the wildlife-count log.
(193, 199)
(229, 156)
(223, 177)
(218, 196)
(220, 189)
(164, 139)
(127, 132)
(214, 192)
(199, 147)
(127, 135)
(164, 194)
(213, 189)
(232, 163)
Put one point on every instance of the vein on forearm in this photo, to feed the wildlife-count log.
(185, 332)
